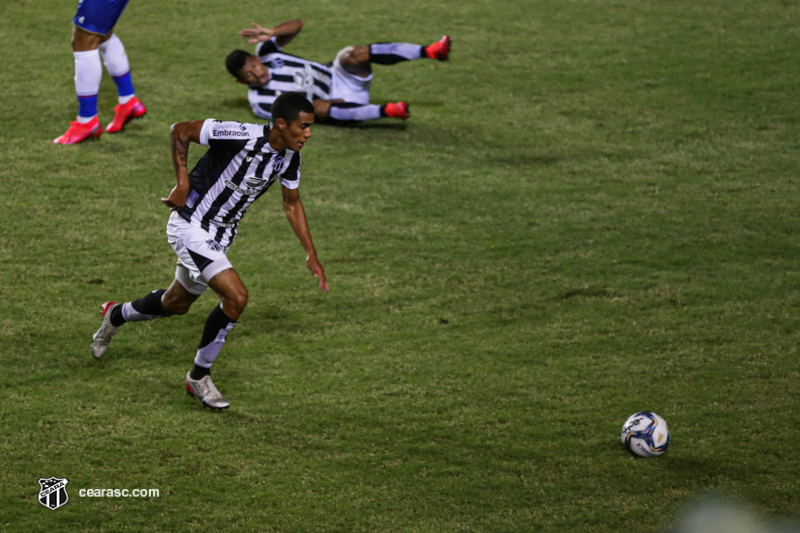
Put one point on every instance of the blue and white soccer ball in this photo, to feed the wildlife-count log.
(645, 434)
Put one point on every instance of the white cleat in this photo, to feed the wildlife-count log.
(102, 337)
(205, 391)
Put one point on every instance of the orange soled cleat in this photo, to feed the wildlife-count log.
(398, 110)
(124, 113)
(440, 50)
(78, 132)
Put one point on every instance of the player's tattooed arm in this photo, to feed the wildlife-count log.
(181, 134)
(180, 152)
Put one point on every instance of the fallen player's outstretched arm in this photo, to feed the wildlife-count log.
(283, 32)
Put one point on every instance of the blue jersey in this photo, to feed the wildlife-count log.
(99, 16)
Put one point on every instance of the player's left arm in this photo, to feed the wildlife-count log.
(297, 218)
(180, 136)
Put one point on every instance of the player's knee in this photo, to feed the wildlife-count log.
(354, 58)
(235, 302)
(83, 41)
(78, 44)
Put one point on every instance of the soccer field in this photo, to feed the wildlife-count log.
(592, 211)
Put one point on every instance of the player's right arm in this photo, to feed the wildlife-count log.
(181, 134)
(283, 32)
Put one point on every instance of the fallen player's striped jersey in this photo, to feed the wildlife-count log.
(288, 73)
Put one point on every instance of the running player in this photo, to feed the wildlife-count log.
(93, 40)
(339, 90)
(242, 162)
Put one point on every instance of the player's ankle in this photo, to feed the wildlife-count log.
(199, 372)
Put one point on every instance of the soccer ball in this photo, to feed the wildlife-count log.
(645, 434)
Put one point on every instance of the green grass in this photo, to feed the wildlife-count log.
(592, 211)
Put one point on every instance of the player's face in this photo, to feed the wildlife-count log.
(254, 73)
(297, 133)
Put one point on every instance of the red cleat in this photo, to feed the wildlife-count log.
(124, 113)
(399, 110)
(78, 132)
(440, 50)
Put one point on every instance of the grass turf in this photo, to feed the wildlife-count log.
(591, 212)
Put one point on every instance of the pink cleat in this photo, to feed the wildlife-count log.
(440, 50)
(399, 110)
(78, 132)
(124, 113)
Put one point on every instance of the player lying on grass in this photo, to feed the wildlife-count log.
(242, 162)
(339, 90)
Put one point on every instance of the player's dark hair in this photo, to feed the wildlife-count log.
(235, 61)
(288, 106)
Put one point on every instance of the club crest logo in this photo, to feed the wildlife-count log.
(276, 63)
(278, 163)
(53, 492)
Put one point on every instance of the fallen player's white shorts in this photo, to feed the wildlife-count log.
(200, 257)
(348, 86)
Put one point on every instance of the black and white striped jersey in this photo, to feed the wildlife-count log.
(288, 73)
(237, 169)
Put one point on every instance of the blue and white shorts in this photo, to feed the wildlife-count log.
(99, 16)
(200, 257)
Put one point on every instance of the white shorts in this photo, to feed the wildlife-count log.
(200, 257)
(348, 86)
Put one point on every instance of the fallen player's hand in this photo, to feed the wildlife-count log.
(259, 34)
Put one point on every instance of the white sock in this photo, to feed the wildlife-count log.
(218, 324)
(354, 112)
(207, 354)
(116, 62)
(114, 56)
(130, 314)
(391, 53)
